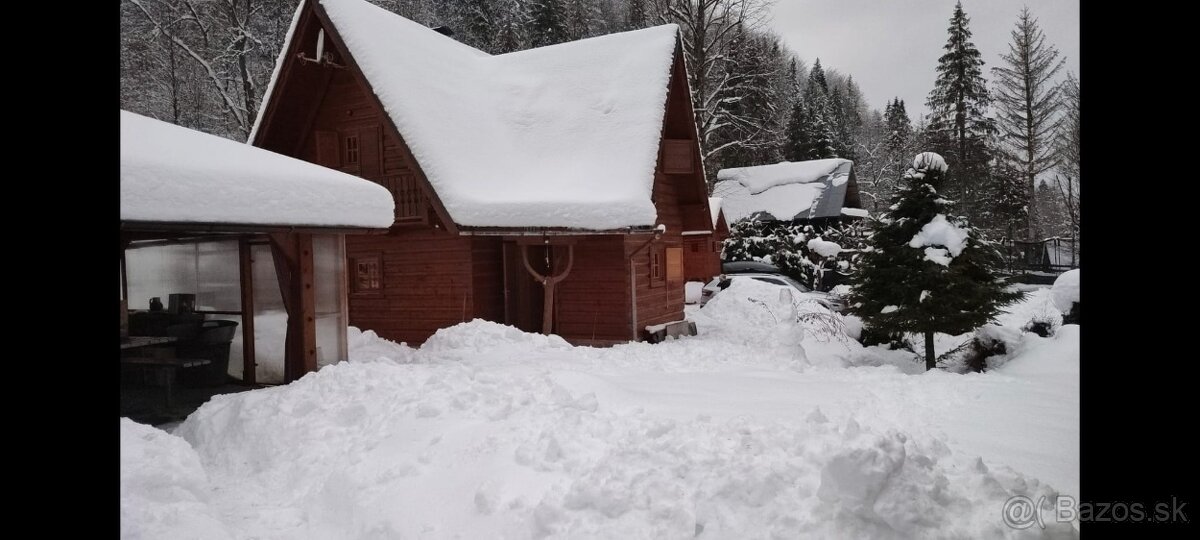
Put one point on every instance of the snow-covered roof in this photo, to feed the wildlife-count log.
(785, 190)
(714, 206)
(174, 174)
(559, 136)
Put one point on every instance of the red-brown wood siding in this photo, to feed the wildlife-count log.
(487, 268)
(701, 257)
(427, 284)
(593, 301)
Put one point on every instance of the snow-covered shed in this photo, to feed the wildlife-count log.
(252, 235)
(547, 188)
(815, 191)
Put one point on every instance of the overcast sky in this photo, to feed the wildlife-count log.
(891, 47)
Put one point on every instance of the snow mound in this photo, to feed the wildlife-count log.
(751, 303)
(939, 232)
(369, 347)
(1065, 290)
(480, 336)
(376, 450)
(164, 489)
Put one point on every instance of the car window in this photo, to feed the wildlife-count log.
(772, 281)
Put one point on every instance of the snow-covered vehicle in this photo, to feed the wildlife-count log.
(800, 292)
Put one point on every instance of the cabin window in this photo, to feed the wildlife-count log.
(368, 274)
(657, 276)
(351, 149)
(674, 265)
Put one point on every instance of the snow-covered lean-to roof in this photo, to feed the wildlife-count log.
(174, 174)
(559, 136)
(785, 191)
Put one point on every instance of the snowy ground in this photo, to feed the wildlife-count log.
(752, 429)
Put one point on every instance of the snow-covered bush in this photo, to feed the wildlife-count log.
(820, 256)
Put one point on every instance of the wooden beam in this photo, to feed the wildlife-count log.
(247, 289)
(548, 283)
(308, 303)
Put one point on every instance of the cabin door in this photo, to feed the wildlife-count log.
(522, 295)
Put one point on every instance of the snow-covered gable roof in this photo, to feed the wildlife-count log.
(784, 191)
(174, 174)
(560, 136)
(714, 206)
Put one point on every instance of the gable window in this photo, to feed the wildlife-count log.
(351, 149)
(657, 275)
(368, 274)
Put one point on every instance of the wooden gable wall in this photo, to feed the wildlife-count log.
(427, 275)
(681, 199)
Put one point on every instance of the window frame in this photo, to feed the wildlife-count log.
(377, 259)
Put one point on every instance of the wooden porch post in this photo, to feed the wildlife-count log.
(246, 272)
(548, 283)
(294, 266)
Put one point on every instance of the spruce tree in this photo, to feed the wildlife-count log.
(816, 81)
(958, 104)
(927, 271)
(1027, 102)
(547, 22)
(798, 134)
(821, 129)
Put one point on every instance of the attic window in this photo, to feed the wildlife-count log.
(351, 149)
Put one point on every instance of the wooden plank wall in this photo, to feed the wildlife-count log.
(701, 257)
(593, 301)
(427, 284)
(487, 267)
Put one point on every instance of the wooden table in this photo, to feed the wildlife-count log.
(166, 365)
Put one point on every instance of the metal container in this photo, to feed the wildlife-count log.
(181, 303)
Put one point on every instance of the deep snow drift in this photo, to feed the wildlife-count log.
(758, 427)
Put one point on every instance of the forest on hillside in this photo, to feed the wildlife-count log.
(1012, 140)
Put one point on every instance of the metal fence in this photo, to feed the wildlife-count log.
(1049, 255)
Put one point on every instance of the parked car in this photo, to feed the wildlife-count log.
(831, 301)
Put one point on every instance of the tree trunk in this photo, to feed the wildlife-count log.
(930, 357)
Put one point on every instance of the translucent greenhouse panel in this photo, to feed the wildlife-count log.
(218, 281)
(158, 271)
(270, 318)
(329, 277)
(207, 269)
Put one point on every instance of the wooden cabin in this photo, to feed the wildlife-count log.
(547, 189)
(819, 192)
(241, 231)
(702, 249)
